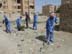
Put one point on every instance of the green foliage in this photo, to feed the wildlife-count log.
(22, 28)
(58, 10)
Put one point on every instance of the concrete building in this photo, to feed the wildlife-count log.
(48, 8)
(66, 16)
(18, 6)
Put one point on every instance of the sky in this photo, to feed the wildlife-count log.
(40, 3)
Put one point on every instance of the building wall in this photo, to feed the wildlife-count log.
(31, 6)
(66, 1)
(45, 11)
(66, 17)
(18, 6)
(48, 8)
(28, 6)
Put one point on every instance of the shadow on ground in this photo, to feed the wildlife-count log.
(30, 28)
(41, 38)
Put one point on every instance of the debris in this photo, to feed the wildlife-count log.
(22, 40)
(19, 45)
(40, 49)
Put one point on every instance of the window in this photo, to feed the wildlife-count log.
(31, 6)
(19, 7)
(0, 5)
(18, 1)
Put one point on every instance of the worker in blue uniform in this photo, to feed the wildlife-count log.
(18, 23)
(35, 22)
(7, 24)
(50, 28)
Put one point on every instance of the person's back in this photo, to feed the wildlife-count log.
(7, 24)
(35, 18)
(50, 24)
(35, 22)
(18, 23)
(6, 20)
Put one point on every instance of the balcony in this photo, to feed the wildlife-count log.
(16, 4)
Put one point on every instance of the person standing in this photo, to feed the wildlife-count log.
(7, 24)
(35, 22)
(18, 23)
(27, 19)
(50, 24)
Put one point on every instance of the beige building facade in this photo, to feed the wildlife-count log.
(47, 9)
(18, 6)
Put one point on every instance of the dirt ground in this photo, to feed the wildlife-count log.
(32, 42)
